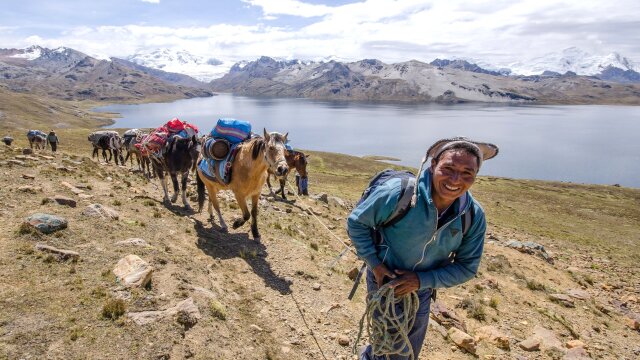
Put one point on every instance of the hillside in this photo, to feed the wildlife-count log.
(68, 74)
(19, 110)
(286, 297)
(415, 81)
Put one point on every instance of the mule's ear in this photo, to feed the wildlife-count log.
(307, 156)
(266, 135)
(285, 137)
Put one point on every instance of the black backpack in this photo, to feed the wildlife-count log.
(407, 188)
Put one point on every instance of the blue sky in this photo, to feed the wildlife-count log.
(496, 31)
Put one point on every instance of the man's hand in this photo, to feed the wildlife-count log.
(405, 283)
(380, 272)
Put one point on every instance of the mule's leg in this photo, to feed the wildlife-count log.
(269, 183)
(176, 187)
(242, 202)
(185, 178)
(254, 217)
(163, 182)
(282, 183)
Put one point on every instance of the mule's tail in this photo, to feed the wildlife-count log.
(200, 192)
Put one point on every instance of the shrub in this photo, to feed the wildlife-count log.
(535, 285)
(494, 302)
(113, 309)
(314, 246)
(217, 310)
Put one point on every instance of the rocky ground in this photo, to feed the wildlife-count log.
(198, 293)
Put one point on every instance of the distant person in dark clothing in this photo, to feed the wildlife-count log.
(52, 139)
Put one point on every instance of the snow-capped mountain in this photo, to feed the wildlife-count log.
(183, 62)
(575, 60)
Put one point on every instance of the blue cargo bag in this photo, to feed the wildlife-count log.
(232, 130)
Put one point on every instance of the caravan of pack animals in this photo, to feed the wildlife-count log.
(177, 149)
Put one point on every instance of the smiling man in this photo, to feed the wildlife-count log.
(438, 243)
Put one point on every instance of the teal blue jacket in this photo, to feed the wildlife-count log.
(414, 243)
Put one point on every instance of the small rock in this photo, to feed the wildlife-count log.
(494, 336)
(563, 299)
(46, 223)
(30, 189)
(62, 254)
(28, 176)
(316, 286)
(133, 242)
(63, 200)
(574, 343)
(343, 340)
(73, 189)
(322, 197)
(256, 328)
(632, 321)
(187, 314)
(98, 210)
(462, 339)
(530, 344)
(132, 271)
(547, 337)
(579, 294)
(334, 200)
(577, 353)
(16, 162)
(27, 151)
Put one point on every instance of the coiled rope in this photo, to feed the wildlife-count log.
(388, 327)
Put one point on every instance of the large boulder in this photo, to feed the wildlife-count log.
(132, 271)
(46, 223)
(98, 210)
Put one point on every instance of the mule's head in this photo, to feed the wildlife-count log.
(300, 161)
(274, 152)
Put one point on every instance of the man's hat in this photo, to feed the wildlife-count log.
(485, 151)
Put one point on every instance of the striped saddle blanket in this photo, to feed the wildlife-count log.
(219, 170)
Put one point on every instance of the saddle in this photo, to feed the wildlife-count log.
(219, 170)
(219, 149)
(157, 142)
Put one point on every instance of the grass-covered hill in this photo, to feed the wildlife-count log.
(226, 296)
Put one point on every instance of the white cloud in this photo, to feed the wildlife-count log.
(151, 1)
(289, 7)
(497, 32)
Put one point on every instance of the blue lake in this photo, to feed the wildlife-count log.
(581, 144)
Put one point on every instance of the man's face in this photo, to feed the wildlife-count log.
(454, 174)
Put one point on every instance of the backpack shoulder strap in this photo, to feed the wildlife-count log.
(407, 186)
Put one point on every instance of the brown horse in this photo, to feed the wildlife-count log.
(297, 160)
(250, 166)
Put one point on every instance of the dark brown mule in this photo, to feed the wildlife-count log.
(250, 166)
(295, 160)
(179, 158)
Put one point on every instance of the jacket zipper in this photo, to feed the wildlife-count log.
(435, 235)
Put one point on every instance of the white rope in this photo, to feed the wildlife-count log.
(325, 226)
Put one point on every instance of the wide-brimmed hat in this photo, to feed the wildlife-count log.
(485, 151)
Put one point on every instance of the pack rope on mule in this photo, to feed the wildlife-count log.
(388, 329)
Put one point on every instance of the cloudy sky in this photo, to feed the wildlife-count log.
(495, 32)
